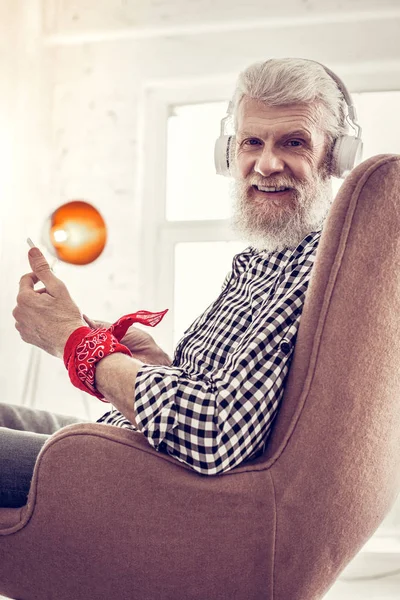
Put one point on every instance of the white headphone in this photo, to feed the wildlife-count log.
(347, 150)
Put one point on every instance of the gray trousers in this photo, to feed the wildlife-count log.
(23, 431)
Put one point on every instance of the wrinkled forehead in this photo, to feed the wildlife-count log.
(257, 118)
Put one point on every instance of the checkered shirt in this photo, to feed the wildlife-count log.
(213, 408)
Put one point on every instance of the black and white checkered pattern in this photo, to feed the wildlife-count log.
(214, 407)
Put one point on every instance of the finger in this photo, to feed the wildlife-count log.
(27, 281)
(42, 270)
(89, 321)
(96, 324)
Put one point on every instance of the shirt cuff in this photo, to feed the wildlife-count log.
(155, 408)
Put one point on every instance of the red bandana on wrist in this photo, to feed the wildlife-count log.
(86, 346)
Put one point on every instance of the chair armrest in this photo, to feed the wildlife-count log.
(122, 518)
(48, 479)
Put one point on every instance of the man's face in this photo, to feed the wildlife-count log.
(280, 146)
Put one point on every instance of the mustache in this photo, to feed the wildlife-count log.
(270, 183)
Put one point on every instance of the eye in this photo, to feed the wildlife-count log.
(297, 142)
(251, 142)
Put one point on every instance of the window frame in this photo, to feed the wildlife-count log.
(159, 236)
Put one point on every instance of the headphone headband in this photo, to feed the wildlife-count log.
(345, 93)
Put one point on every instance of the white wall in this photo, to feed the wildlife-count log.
(77, 81)
(25, 101)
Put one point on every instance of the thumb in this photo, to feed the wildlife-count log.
(95, 324)
(90, 322)
(42, 270)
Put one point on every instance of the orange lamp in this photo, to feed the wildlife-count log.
(75, 233)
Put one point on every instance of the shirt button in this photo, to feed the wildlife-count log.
(285, 347)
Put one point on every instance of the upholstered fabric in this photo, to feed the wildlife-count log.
(281, 527)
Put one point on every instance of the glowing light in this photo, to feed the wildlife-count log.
(60, 235)
(75, 233)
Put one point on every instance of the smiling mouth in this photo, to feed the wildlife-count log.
(272, 191)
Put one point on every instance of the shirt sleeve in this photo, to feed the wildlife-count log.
(213, 421)
(226, 281)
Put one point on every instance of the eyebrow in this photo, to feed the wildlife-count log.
(297, 132)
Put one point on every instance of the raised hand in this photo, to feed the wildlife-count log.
(46, 317)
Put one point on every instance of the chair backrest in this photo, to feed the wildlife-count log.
(334, 454)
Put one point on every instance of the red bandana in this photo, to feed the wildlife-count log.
(86, 346)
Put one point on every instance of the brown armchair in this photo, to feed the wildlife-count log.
(110, 518)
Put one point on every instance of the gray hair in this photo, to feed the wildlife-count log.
(281, 81)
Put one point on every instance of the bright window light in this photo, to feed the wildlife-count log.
(200, 270)
(194, 190)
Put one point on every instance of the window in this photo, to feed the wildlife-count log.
(194, 191)
(195, 238)
(199, 271)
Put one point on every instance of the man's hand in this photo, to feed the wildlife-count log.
(139, 342)
(46, 317)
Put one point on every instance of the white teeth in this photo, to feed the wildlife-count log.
(271, 189)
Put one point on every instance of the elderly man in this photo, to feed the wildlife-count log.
(213, 405)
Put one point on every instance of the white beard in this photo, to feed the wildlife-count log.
(275, 225)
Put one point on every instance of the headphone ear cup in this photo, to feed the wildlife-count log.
(347, 153)
(222, 151)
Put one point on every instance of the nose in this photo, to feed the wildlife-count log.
(268, 162)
